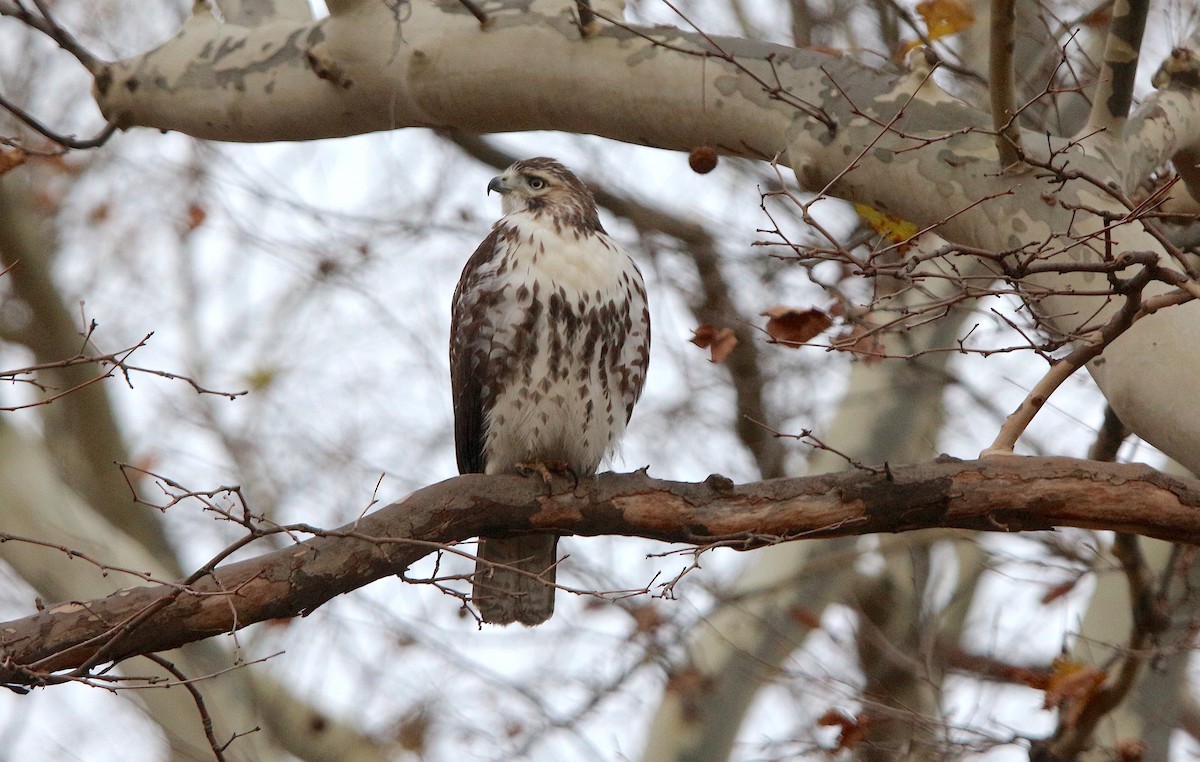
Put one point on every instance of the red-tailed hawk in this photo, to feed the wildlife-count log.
(549, 344)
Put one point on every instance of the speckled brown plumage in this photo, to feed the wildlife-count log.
(549, 345)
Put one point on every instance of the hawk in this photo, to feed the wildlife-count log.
(549, 345)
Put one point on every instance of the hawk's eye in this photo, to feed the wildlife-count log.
(537, 183)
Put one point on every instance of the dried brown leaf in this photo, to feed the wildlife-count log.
(793, 326)
(853, 728)
(720, 341)
(195, 216)
(11, 158)
(945, 17)
(99, 213)
(413, 731)
(687, 681)
(1058, 591)
(863, 342)
(646, 618)
(1131, 750)
(805, 616)
(1099, 18)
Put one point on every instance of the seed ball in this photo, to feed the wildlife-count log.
(703, 159)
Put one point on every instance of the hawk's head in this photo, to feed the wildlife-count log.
(542, 186)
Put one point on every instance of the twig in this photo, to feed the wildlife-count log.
(475, 10)
(814, 442)
(102, 566)
(1070, 739)
(1084, 351)
(1008, 134)
(586, 16)
(67, 141)
(206, 720)
(46, 24)
(115, 361)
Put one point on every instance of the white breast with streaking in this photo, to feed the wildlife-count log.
(566, 405)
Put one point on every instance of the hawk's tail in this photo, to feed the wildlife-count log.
(504, 596)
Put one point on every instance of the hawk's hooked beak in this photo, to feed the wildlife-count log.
(499, 184)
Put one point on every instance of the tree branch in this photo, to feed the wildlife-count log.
(1004, 115)
(45, 23)
(1114, 88)
(67, 141)
(1002, 494)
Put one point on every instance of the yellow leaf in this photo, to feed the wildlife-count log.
(892, 228)
(1071, 682)
(261, 378)
(945, 17)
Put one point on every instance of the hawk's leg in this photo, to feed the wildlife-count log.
(547, 469)
(514, 576)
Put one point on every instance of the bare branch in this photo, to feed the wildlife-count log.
(1008, 134)
(1071, 738)
(999, 495)
(109, 363)
(67, 141)
(1084, 352)
(45, 23)
(205, 718)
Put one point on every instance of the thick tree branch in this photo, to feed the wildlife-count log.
(1002, 494)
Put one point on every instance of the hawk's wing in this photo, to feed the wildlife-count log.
(470, 345)
(635, 345)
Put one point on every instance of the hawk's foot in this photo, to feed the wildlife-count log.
(547, 469)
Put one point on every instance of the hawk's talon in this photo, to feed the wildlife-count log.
(547, 469)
